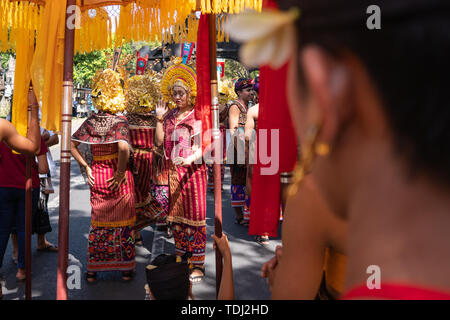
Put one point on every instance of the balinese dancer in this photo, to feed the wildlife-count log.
(237, 118)
(142, 94)
(111, 241)
(180, 133)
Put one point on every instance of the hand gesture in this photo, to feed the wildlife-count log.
(161, 108)
(269, 268)
(90, 176)
(116, 180)
(180, 161)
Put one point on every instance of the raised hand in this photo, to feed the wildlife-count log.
(161, 108)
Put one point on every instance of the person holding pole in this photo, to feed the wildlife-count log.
(12, 185)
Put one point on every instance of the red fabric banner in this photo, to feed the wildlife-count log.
(273, 114)
(203, 105)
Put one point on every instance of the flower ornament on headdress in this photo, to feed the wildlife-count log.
(142, 93)
(108, 91)
(180, 75)
(268, 37)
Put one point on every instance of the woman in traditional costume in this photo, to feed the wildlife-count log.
(142, 94)
(111, 241)
(179, 132)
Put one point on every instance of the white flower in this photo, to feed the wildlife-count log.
(268, 38)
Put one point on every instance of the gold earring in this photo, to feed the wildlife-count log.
(312, 148)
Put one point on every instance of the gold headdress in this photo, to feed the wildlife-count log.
(179, 74)
(108, 91)
(227, 93)
(142, 93)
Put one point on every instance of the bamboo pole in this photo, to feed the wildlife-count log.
(64, 191)
(216, 137)
(28, 219)
(28, 216)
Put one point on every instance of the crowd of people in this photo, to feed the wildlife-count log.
(140, 175)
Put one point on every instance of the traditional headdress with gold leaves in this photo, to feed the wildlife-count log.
(227, 93)
(142, 93)
(108, 91)
(179, 74)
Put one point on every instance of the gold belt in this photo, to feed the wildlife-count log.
(105, 157)
(144, 151)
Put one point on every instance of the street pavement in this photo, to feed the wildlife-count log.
(248, 256)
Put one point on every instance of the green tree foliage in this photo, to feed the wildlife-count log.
(234, 70)
(87, 64)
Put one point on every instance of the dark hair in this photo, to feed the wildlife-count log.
(242, 83)
(168, 279)
(408, 60)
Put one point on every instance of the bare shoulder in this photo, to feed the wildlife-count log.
(253, 111)
(234, 109)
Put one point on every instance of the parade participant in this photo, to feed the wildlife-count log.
(181, 135)
(374, 137)
(236, 121)
(142, 94)
(111, 240)
(168, 275)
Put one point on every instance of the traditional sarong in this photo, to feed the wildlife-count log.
(111, 237)
(148, 210)
(187, 188)
(247, 209)
(237, 196)
(111, 249)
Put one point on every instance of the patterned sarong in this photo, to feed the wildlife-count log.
(148, 210)
(111, 237)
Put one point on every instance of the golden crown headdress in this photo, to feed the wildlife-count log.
(179, 74)
(142, 92)
(108, 91)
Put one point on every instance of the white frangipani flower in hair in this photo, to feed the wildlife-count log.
(268, 38)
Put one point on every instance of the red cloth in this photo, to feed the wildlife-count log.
(13, 168)
(273, 114)
(203, 105)
(392, 291)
